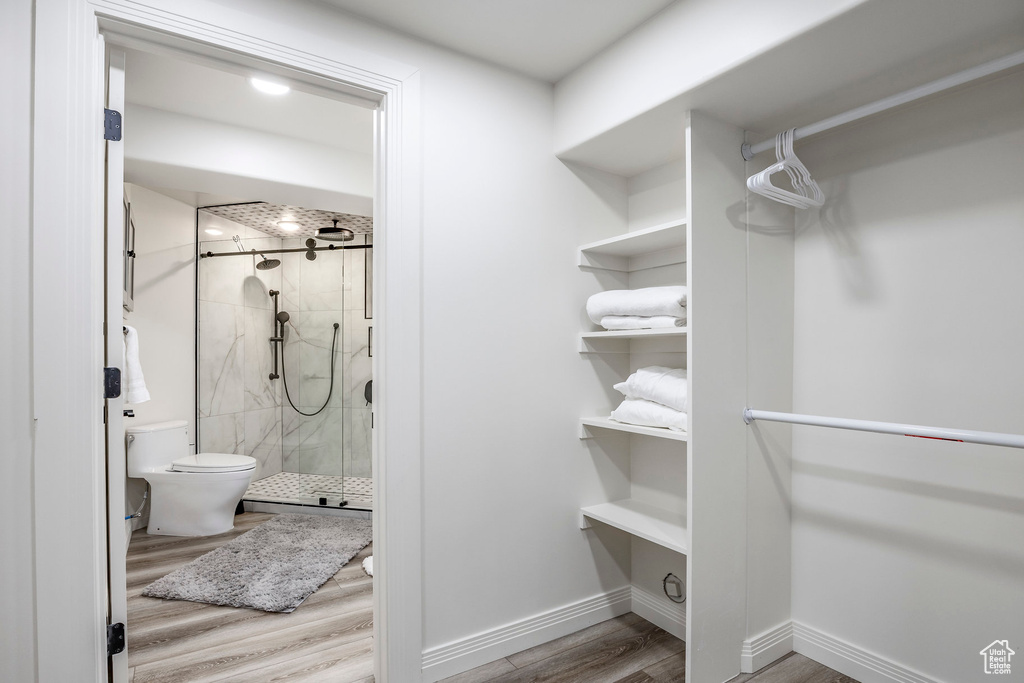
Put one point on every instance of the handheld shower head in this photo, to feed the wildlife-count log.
(283, 317)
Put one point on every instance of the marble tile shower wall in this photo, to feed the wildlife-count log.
(357, 364)
(239, 406)
(317, 294)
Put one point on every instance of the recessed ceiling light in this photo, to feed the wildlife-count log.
(288, 225)
(269, 87)
(213, 231)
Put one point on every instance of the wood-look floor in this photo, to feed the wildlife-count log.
(327, 639)
(627, 649)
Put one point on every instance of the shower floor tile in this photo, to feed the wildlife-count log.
(308, 489)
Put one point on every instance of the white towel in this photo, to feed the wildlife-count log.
(639, 322)
(636, 411)
(649, 301)
(134, 384)
(666, 386)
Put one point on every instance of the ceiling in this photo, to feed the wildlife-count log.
(545, 39)
(265, 217)
(191, 89)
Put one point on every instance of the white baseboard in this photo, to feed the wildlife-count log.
(468, 653)
(660, 611)
(765, 648)
(851, 660)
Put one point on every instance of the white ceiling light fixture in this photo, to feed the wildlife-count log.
(290, 226)
(269, 87)
(213, 231)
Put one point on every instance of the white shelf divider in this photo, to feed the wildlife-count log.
(618, 341)
(660, 245)
(646, 521)
(608, 423)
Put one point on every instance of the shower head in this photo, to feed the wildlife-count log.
(335, 234)
(267, 263)
(283, 317)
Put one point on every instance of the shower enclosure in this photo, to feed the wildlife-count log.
(283, 349)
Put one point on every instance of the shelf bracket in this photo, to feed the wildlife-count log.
(584, 521)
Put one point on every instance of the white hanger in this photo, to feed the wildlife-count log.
(806, 192)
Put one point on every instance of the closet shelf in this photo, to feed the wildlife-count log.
(620, 341)
(646, 521)
(635, 334)
(608, 423)
(660, 245)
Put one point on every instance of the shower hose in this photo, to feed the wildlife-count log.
(284, 377)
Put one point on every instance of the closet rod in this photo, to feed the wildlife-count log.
(940, 433)
(1016, 59)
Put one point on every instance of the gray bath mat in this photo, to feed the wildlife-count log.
(273, 567)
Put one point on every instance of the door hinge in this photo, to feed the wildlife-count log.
(111, 382)
(111, 125)
(115, 639)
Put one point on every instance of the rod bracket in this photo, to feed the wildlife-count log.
(746, 151)
(747, 416)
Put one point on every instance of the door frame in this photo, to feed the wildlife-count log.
(67, 283)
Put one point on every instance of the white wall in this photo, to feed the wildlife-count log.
(504, 470)
(163, 315)
(908, 309)
(17, 632)
(683, 46)
(166, 149)
(658, 196)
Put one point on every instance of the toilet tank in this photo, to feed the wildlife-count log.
(155, 446)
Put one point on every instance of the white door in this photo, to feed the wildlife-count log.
(117, 529)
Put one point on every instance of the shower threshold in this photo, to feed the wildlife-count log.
(311, 491)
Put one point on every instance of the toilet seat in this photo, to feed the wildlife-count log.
(214, 462)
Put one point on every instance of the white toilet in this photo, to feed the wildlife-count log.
(190, 495)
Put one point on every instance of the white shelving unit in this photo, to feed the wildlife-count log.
(660, 245)
(659, 526)
(608, 423)
(701, 473)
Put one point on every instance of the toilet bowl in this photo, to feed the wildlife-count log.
(190, 495)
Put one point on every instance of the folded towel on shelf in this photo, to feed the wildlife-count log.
(133, 382)
(640, 322)
(666, 386)
(637, 411)
(649, 301)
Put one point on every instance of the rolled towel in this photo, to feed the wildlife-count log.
(639, 322)
(134, 382)
(649, 301)
(666, 386)
(636, 411)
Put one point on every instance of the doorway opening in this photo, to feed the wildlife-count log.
(231, 215)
